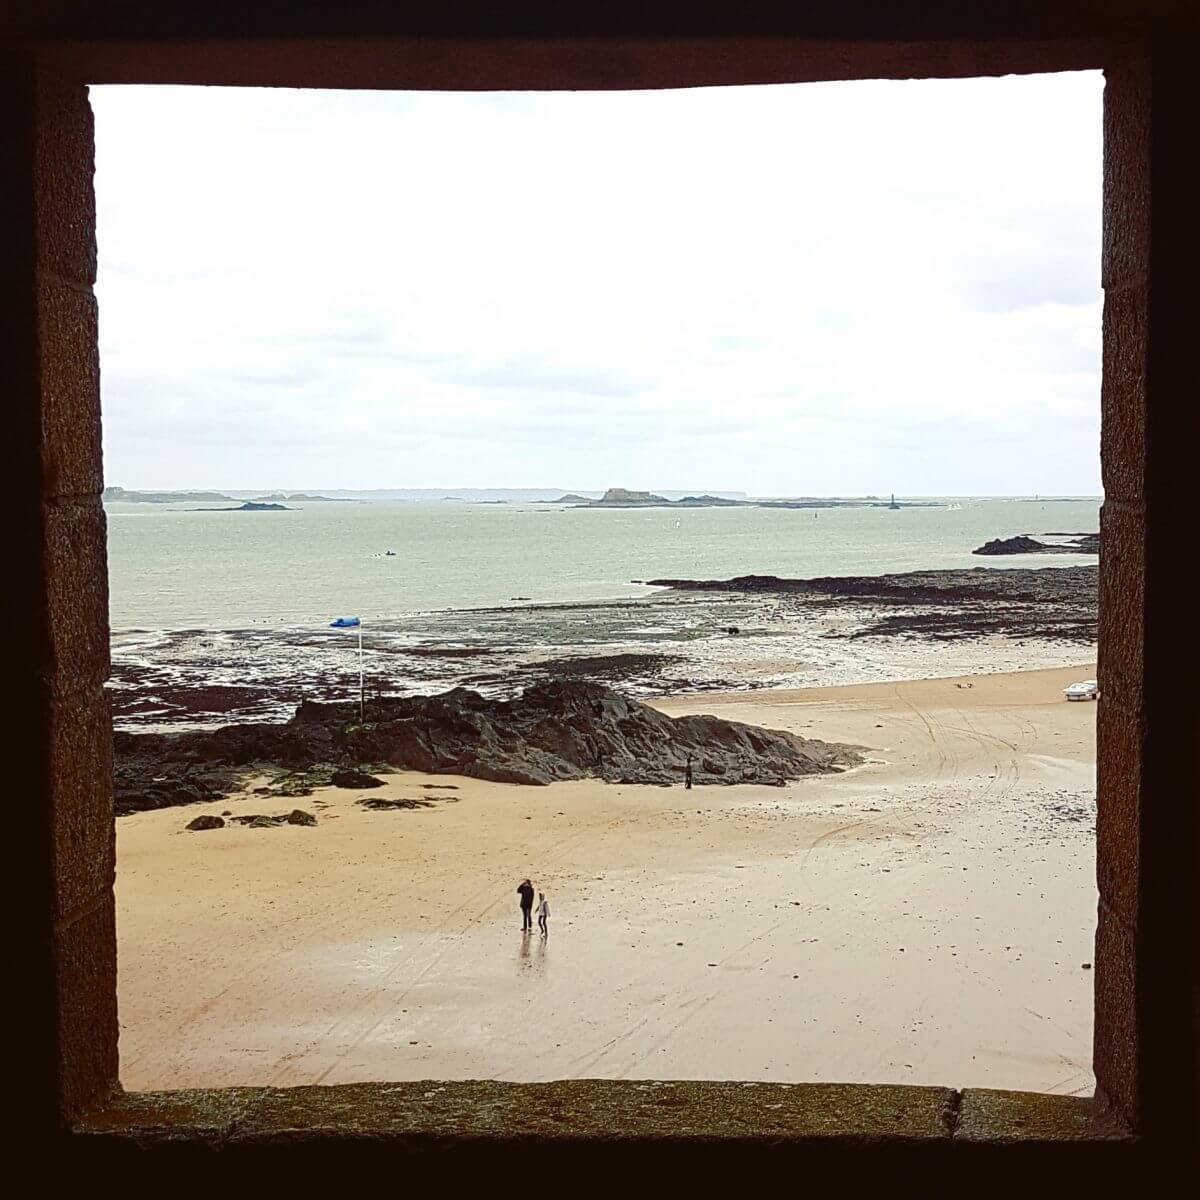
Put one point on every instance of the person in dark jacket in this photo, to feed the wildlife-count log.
(687, 773)
(525, 891)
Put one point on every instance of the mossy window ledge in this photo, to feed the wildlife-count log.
(434, 1113)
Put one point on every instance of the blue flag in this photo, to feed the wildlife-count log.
(344, 623)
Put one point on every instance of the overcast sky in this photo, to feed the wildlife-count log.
(813, 289)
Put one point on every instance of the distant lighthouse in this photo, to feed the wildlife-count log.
(893, 503)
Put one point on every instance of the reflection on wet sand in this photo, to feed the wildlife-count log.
(528, 962)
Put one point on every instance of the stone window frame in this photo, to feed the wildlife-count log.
(1145, 959)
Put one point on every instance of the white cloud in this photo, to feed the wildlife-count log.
(822, 288)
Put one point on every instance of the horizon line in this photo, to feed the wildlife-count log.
(699, 491)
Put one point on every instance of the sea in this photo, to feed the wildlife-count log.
(218, 614)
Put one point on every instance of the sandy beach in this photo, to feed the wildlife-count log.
(925, 918)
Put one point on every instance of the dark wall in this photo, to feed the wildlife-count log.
(60, 795)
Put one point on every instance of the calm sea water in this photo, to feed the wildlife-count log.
(175, 568)
(221, 616)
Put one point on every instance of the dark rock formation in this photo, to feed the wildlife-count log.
(141, 784)
(454, 651)
(603, 668)
(1049, 602)
(1083, 543)
(205, 822)
(261, 821)
(553, 731)
(576, 730)
(353, 778)
(250, 506)
(1021, 544)
(624, 498)
(380, 804)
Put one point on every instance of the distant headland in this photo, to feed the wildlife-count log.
(120, 494)
(306, 497)
(272, 500)
(624, 498)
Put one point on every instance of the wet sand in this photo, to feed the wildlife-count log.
(922, 919)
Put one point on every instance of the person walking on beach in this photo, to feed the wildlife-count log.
(525, 891)
(543, 914)
(687, 774)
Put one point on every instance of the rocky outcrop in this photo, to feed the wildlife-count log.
(249, 506)
(352, 778)
(624, 498)
(1049, 602)
(553, 731)
(261, 821)
(1043, 585)
(252, 506)
(1021, 544)
(574, 730)
(1082, 543)
(141, 784)
(381, 804)
(198, 824)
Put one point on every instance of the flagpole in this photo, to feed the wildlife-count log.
(356, 623)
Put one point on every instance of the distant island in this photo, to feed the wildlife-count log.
(271, 500)
(305, 497)
(250, 506)
(119, 493)
(625, 498)
(615, 497)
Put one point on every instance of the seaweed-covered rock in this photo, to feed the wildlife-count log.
(351, 777)
(144, 783)
(205, 822)
(565, 729)
(258, 821)
(382, 803)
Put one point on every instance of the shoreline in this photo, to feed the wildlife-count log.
(727, 932)
(831, 631)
